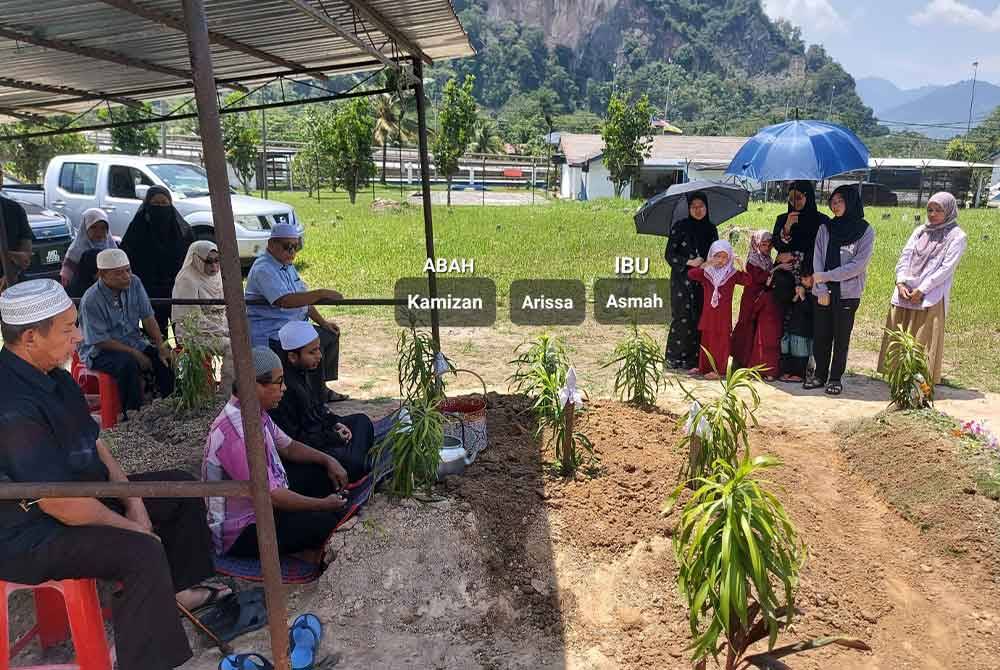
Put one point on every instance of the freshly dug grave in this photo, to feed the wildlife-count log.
(928, 474)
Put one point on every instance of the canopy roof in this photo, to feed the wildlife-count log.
(63, 56)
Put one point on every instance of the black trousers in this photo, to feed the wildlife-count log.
(148, 631)
(125, 369)
(833, 326)
(330, 342)
(296, 531)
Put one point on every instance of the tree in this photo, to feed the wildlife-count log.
(240, 137)
(392, 125)
(961, 150)
(456, 123)
(27, 158)
(132, 140)
(349, 145)
(627, 138)
(485, 139)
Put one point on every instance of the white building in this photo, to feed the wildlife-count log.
(584, 175)
(996, 168)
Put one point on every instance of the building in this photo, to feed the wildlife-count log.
(674, 159)
(995, 159)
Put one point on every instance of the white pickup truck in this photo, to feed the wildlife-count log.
(117, 184)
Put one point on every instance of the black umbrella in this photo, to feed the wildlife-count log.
(658, 214)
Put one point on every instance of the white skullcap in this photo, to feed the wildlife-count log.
(296, 334)
(111, 259)
(285, 231)
(33, 301)
(92, 216)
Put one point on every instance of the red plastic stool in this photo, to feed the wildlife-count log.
(103, 386)
(69, 606)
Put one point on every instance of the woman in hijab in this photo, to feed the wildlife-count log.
(757, 335)
(687, 247)
(156, 242)
(843, 251)
(793, 238)
(93, 235)
(924, 275)
(85, 274)
(199, 278)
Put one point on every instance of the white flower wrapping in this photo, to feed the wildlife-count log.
(702, 430)
(570, 392)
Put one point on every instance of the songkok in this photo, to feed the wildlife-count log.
(285, 231)
(111, 259)
(33, 301)
(92, 216)
(264, 361)
(297, 334)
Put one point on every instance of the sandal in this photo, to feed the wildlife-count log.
(790, 379)
(237, 615)
(245, 662)
(812, 383)
(338, 397)
(834, 388)
(303, 639)
(216, 594)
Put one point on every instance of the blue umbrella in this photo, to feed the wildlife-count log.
(810, 150)
(658, 214)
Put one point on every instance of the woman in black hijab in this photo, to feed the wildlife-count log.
(842, 253)
(794, 237)
(156, 242)
(687, 247)
(86, 274)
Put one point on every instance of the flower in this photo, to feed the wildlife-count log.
(570, 392)
(702, 430)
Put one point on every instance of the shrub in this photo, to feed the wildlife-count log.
(640, 368)
(544, 357)
(195, 385)
(417, 358)
(907, 372)
(415, 446)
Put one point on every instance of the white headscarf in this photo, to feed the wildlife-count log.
(718, 276)
(82, 243)
(193, 282)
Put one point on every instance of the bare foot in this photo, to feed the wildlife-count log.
(202, 595)
(712, 375)
(694, 372)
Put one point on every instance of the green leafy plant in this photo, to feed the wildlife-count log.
(415, 445)
(538, 361)
(716, 430)
(907, 371)
(195, 383)
(640, 368)
(739, 558)
(416, 355)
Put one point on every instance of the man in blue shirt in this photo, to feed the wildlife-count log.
(157, 550)
(110, 313)
(274, 279)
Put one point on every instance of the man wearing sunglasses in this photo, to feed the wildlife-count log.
(274, 280)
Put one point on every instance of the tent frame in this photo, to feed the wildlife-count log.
(199, 38)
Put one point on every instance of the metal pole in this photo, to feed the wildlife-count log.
(972, 98)
(163, 130)
(425, 189)
(316, 165)
(239, 330)
(263, 139)
(484, 180)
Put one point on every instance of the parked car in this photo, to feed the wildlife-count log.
(117, 184)
(994, 201)
(50, 238)
(878, 195)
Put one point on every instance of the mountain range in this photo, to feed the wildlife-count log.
(936, 111)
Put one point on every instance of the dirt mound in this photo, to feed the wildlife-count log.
(929, 476)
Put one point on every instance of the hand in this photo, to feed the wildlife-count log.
(904, 291)
(135, 511)
(22, 259)
(818, 277)
(343, 431)
(696, 262)
(331, 326)
(336, 472)
(787, 267)
(800, 294)
(143, 360)
(330, 294)
(166, 354)
(786, 257)
(824, 300)
(333, 502)
(916, 295)
(791, 220)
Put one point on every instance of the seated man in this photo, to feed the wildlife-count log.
(303, 413)
(110, 313)
(274, 279)
(158, 550)
(304, 482)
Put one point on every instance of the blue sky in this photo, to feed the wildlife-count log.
(909, 42)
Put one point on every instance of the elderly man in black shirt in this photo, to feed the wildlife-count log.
(157, 550)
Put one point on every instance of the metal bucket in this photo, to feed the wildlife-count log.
(453, 457)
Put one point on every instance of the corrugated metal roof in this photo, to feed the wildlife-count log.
(276, 27)
(916, 163)
(666, 150)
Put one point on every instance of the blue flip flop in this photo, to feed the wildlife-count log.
(245, 662)
(303, 640)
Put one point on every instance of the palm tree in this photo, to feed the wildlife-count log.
(485, 139)
(392, 126)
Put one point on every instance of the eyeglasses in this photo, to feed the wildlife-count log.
(277, 382)
(291, 247)
(210, 261)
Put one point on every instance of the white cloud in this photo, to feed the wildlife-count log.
(818, 15)
(957, 13)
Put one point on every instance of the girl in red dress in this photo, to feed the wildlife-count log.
(718, 277)
(759, 266)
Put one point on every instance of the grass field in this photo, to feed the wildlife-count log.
(362, 252)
